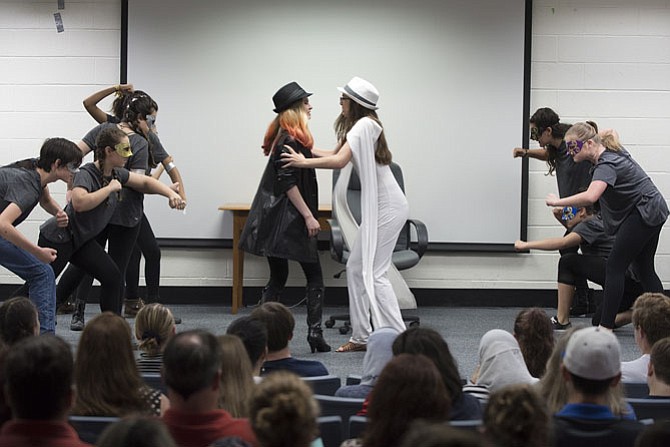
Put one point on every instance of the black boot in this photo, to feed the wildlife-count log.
(314, 313)
(269, 293)
(584, 303)
(77, 323)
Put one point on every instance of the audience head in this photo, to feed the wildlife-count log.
(254, 335)
(136, 431)
(192, 363)
(535, 334)
(651, 319)
(154, 325)
(283, 411)
(439, 434)
(410, 387)
(106, 375)
(501, 362)
(429, 342)
(655, 435)
(237, 381)
(592, 361)
(659, 363)
(38, 382)
(379, 352)
(18, 320)
(515, 416)
(279, 322)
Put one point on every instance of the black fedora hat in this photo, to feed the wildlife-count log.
(287, 95)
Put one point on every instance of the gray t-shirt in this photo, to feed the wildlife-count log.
(86, 225)
(131, 206)
(156, 149)
(595, 242)
(22, 187)
(628, 187)
(571, 177)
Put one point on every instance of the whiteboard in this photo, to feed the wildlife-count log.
(450, 76)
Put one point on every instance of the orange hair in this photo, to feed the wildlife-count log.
(294, 121)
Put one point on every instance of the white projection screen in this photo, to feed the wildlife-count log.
(450, 75)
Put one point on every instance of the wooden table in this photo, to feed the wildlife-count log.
(240, 214)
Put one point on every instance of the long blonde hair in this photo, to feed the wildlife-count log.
(237, 383)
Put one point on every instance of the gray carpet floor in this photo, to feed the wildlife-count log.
(461, 327)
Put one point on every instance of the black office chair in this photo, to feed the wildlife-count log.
(407, 252)
(330, 430)
(89, 428)
(344, 407)
(655, 409)
(636, 389)
(324, 385)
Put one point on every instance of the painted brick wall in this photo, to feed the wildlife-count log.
(606, 60)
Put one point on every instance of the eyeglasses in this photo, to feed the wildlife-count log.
(535, 133)
(574, 147)
(344, 98)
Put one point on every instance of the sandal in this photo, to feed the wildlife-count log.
(352, 347)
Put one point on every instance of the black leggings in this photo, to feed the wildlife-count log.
(635, 245)
(279, 273)
(120, 241)
(91, 258)
(575, 269)
(148, 247)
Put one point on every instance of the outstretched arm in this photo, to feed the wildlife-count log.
(551, 244)
(335, 161)
(148, 185)
(91, 103)
(83, 200)
(586, 198)
(538, 154)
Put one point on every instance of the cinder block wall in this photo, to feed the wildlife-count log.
(606, 60)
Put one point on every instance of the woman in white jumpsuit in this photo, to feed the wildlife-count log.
(384, 210)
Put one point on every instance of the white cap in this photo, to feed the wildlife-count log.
(593, 353)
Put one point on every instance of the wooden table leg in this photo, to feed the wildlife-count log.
(239, 219)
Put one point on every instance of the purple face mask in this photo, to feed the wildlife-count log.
(574, 147)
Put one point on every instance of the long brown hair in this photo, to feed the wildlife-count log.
(410, 387)
(343, 125)
(106, 376)
(535, 334)
(154, 325)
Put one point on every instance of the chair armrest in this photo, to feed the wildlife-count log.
(336, 241)
(421, 235)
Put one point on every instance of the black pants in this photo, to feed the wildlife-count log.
(92, 259)
(575, 269)
(120, 243)
(635, 246)
(146, 246)
(279, 273)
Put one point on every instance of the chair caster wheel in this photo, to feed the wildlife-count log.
(329, 323)
(345, 330)
(414, 324)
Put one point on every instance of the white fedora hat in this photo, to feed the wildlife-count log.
(361, 91)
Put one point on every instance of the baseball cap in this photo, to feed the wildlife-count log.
(593, 353)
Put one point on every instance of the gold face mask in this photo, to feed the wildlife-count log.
(123, 149)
